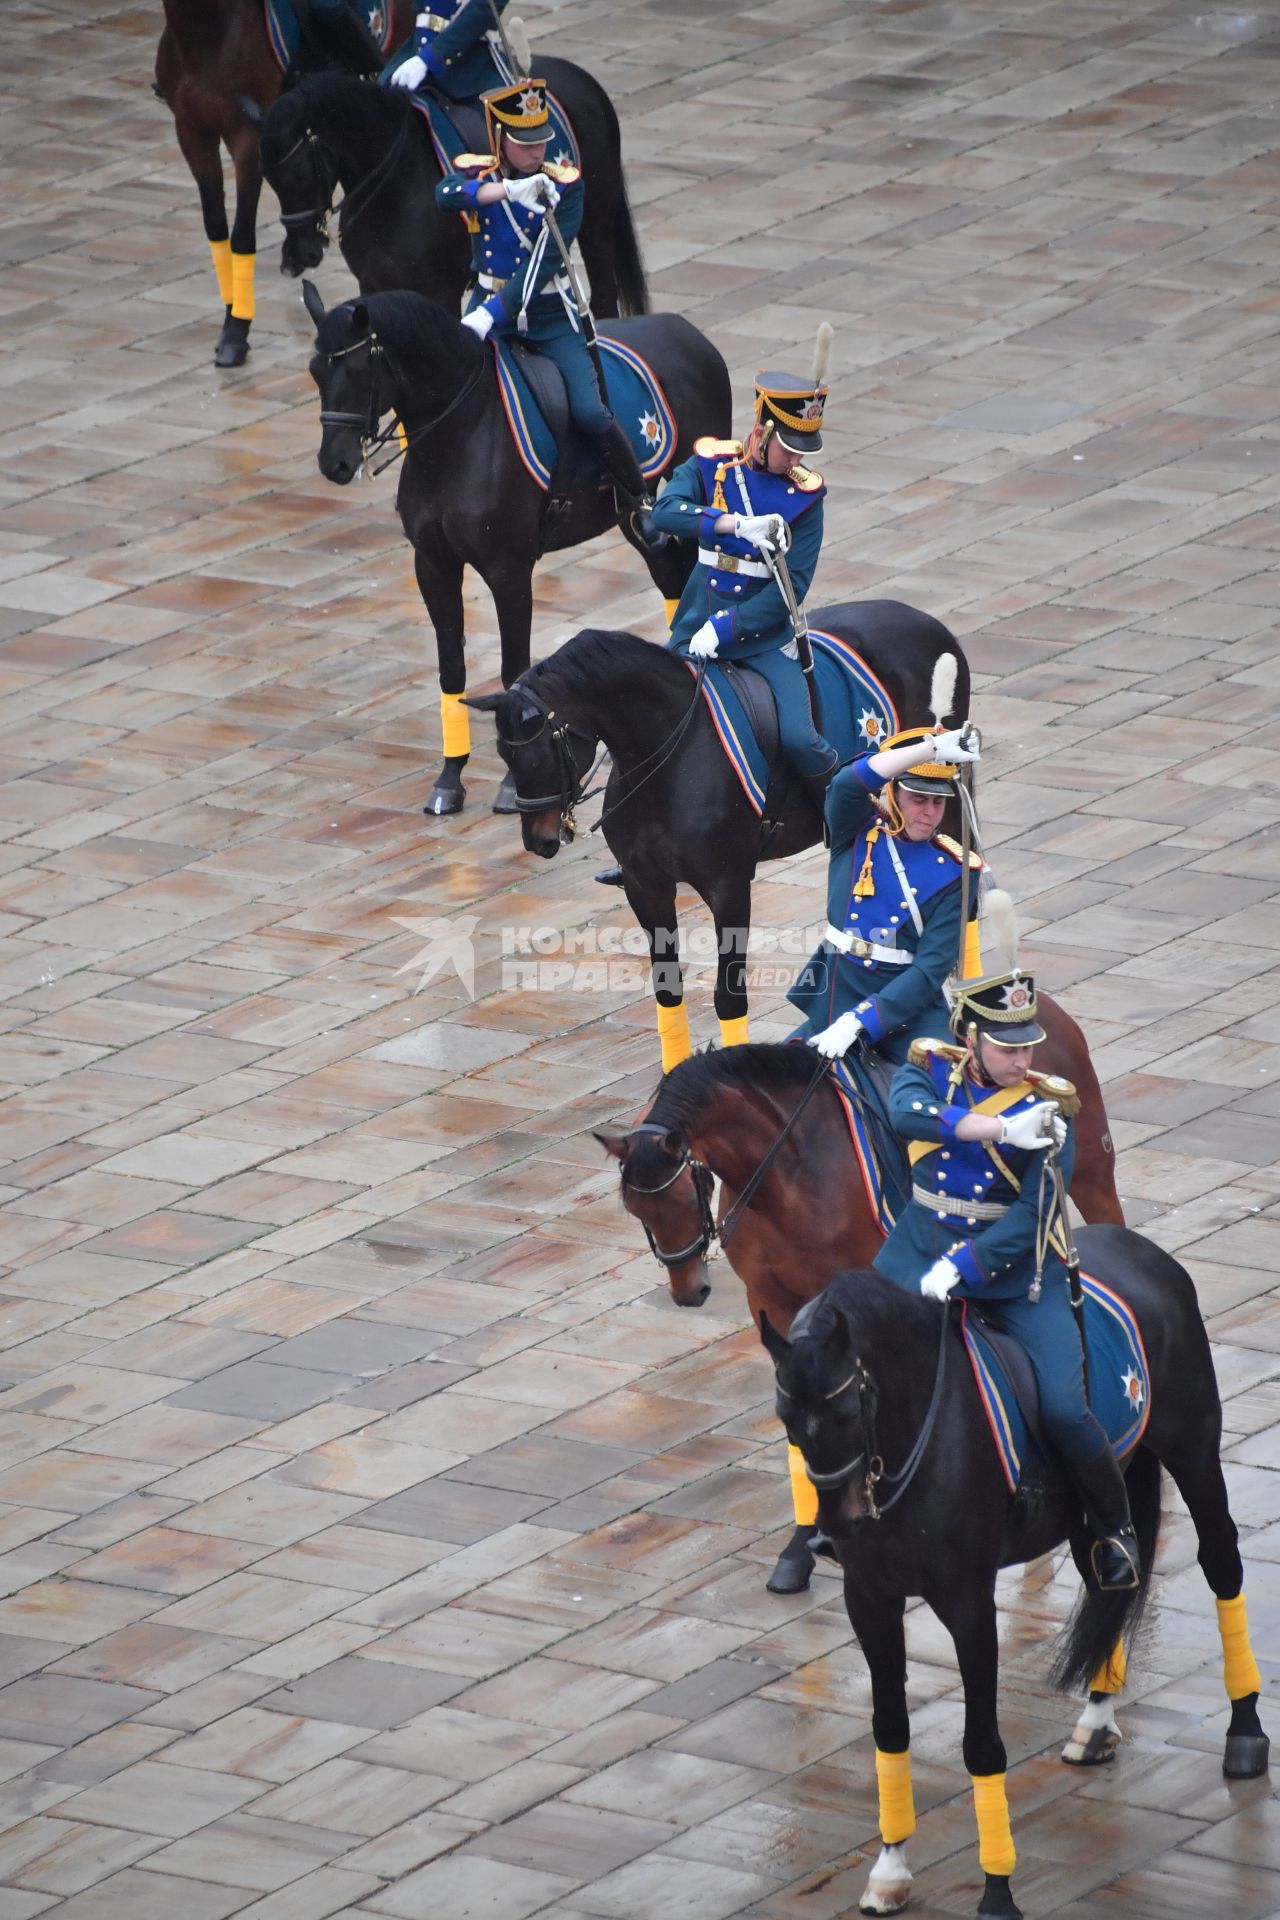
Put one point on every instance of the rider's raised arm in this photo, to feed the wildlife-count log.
(681, 508)
(460, 190)
(1014, 1237)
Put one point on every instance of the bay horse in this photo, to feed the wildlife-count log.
(217, 74)
(874, 1388)
(674, 811)
(768, 1124)
(330, 131)
(465, 497)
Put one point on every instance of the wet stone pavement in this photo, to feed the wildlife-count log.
(375, 1536)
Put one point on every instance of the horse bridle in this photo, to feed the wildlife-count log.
(709, 1230)
(877, 1474)
(372, 437)
(320, 215)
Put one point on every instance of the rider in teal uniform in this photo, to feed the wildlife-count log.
(981, 1224)
(452, 51)
(522, 290)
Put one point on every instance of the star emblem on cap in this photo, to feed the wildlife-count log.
(811, 410)
(531, 100)
(1017, 994)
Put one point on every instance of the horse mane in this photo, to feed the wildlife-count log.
(597, 656)
(339, 93)
(763, 1066)
(874, 1315)
(405, 322)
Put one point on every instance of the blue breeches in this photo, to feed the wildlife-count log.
(1047, 1330)
(555, 337)
(809, 753)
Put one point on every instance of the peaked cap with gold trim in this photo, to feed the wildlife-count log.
(927, 776)
(791, 405)
(520, 112)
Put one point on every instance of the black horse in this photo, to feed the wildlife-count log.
(465, 498)
(673, 810)
(874, 1389)
(372, 142)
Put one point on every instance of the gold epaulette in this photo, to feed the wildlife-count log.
(471, 162)
(562, 174)
(953, 847)
(805, 480)
(718, 449)
(919, 1051)
(1052, 1086)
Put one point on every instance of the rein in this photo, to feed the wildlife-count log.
(324, 209)
(372, 437)
(876, 1472)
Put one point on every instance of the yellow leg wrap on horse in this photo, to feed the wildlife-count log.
(670, 609)
(242, 285)
(804, 1495)
(1239, 1668)
(972, 952)
(221, 251)
(1110, 1675)
(673, 1032)
(995, 1841)
(733, 1033)
(402, 436)
(897, 1806)
(455, 725)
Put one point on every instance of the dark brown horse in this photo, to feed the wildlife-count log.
(216, 72)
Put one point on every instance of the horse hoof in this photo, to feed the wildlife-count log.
(1096, 1750)
(232, 349)
(997, 1902)
(885, 1899)
(446, 799)
(888, 1888)
(1246, 1755)
(506, 801)
(794, 1565)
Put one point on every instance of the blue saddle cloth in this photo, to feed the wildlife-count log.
(857, 712)
(637, 400)
(877, 1149)
(451, 136)
(284, 34)
(1119, 1383)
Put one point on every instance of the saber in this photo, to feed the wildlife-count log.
(964, 787)
(507, 48)
(777, 564)
(580, 299)
(1052, 1087)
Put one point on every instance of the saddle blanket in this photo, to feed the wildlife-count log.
(284, 34)
(635, 396)
(881, 1162)
(1119, 1382)
(857, 712)
(458, 127)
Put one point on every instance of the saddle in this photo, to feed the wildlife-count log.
(466, 117)
(1014, 1363)
(761, 709)
(575, 463)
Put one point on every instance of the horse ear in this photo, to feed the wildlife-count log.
(484, 702)
(313, 301)
(613, 1140)
(774, 1343)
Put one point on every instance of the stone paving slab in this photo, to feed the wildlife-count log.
(375, 1537)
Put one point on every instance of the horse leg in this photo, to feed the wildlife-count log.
(970, 1618)
(1095, 1736)
(440, 584)
(793, 1568)
(1202, 1487)
(878, 1624)
(654, 906)
(200, 150)
(731, 905)
(232, 349)
(512, 591)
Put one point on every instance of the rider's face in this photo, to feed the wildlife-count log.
(1003, 1066)
(520, 158)
(921, 812)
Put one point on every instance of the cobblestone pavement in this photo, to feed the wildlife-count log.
(375, 1536)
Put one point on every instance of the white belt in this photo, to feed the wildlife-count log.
(730, 563)
(957, 1209)
(867, 949)
(433, 22)
(493, 283)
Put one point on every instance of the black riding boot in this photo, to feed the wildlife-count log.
(619, 461)
(611, 877)
(1114, 1553)
(815, 785)
(341, 35)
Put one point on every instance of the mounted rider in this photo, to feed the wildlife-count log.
(456, 50)
(982, 1223)
(745, 504)
(893, 898)
(522, 290)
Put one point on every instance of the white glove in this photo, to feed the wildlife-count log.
(942, 1276)
(959, 745)
(411, 72)
(768, 531)
(705, 644)
(837, 1039)
(479, 322)
(1034, 1127)
(534, 190)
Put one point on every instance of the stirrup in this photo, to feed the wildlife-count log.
(1115, 1562)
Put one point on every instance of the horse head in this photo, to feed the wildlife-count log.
(303, 174)
(669, 1193)
(548, 759)
(350, 368)
(826, 1400)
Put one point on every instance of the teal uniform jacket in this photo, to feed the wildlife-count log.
(894, 1002)
(511, 243)
(453, 44)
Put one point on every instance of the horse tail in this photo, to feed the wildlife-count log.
(633, 288)
(1100, 1619)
